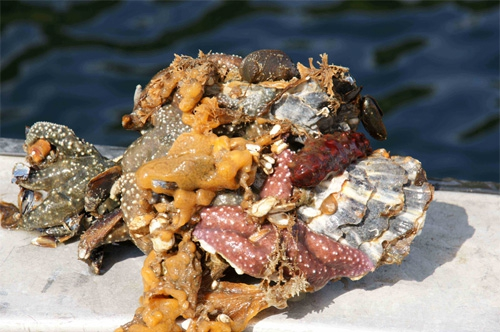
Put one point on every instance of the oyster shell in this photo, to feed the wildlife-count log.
(380, 200)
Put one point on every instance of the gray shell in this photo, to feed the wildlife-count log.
(380, 200)
(309, 106)
(304, 106)
(252, 99)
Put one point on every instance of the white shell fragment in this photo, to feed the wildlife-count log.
(262, 207)
(279, 219)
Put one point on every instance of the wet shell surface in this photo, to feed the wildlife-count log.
(249, 164)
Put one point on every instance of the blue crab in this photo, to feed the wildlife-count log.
(57, 194)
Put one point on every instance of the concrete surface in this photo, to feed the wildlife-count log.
(449, 282)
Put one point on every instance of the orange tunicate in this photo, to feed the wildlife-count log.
(212, 326)
(186, 201)
(207, 116)
(197, 161)
(148, 276)
(196, 167)
(158, 315)
(191, 93)
(171, 284)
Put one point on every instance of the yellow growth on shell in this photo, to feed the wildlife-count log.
(198, 161)
(171, 283)
(196, 167)
(206, 116)
(186, 78)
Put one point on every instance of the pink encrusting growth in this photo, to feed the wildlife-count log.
(321, 259)
(328, 154)
(279, 184)
(245, 245)
(250, 247)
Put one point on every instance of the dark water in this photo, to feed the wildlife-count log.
(433, 66)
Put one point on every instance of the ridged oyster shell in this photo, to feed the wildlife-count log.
(381, 201)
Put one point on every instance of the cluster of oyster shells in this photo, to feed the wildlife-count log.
(252, 164)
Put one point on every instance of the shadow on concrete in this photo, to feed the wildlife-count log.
(445, 231)
(115, 253)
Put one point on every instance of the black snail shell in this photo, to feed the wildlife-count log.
(267, 65)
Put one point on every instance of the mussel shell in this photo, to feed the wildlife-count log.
(371, 117)
(29, 199)
(9, 215)
(346, 89)
(99, 187)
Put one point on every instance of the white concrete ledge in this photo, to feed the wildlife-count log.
(449, 282)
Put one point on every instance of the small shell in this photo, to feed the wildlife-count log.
(329, 205)
(223, 318)
(262, 207)
(157, 223)
(45, 241)
(285, 207)
(20, 172)
(185, 324)
(275, 130)
(162, 241)
(279, 219)
(279, 146)
(253, 148)
(137, 93)
(9, 215)
(269, 159)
